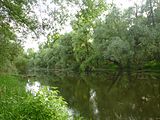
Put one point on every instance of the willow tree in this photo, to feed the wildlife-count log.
(110, 39)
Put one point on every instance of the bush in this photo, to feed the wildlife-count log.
(46, 105)
(11, 92)
(152, 65)
(21, 63)
(17, 105)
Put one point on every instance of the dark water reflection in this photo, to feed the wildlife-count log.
(109, 96)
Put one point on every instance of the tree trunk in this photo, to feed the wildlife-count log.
(151, 14)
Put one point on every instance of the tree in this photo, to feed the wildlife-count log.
(100, 38)
(110, 38)
(83, 29)
(11, 15)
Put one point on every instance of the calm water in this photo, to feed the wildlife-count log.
(108, 95)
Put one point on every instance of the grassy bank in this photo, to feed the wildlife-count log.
(16, 104)
(12, 92)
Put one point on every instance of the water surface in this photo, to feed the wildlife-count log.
(108, 95)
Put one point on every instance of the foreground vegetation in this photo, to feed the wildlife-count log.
(16, 104)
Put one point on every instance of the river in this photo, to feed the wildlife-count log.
(107, 95)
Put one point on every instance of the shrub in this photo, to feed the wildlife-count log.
(21, 63)
(16, 104)
(46, 105)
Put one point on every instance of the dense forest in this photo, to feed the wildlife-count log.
(102, 37)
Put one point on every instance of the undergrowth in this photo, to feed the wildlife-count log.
(16, 104)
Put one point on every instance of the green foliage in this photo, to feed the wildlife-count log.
(110, 39)
(17, 105)
(12, 16)
(7, 42)
(11, 92)
(118, 51)
(152, 65)
(103, 36)
(21, 63)
(45, 105)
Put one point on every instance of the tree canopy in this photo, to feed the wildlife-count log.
(102, 35)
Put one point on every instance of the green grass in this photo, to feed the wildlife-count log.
(12, 92)
(152, 65)
(16, 104)
(11, 86)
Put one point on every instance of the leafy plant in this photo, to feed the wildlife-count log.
(46, 105)
(16, 104)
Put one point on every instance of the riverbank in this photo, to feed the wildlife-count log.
(12, 92)
(16, 104)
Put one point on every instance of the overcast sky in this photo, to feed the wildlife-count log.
(31, 43)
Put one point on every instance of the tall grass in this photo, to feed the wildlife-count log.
(12, 92)
(16, 104)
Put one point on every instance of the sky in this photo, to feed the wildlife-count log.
(125, 3)
(32, 43)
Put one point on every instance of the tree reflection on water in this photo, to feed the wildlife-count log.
(110, 95)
